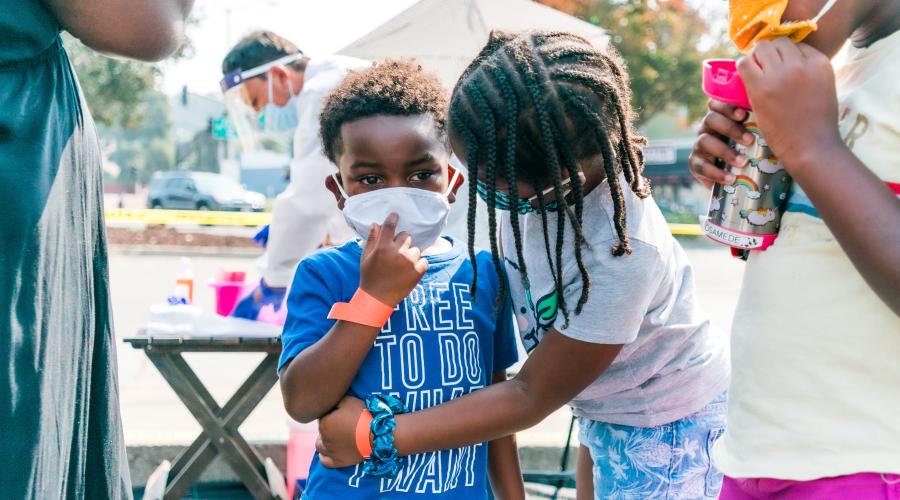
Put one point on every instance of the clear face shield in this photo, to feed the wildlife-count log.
(248, 122)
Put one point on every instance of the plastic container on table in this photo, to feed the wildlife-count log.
(229, 287)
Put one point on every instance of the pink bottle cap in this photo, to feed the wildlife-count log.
(722, 83)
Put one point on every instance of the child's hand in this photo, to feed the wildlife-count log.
(791, 88)
(336, 443)
(390, 268)
(723, 122)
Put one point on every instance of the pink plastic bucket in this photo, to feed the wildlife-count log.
(227, 295)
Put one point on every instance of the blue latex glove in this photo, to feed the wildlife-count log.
(263, 295)
(262, 237)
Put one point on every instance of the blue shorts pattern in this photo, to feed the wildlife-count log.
(670, 461)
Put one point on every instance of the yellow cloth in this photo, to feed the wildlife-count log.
(754, 20)
(815, 384)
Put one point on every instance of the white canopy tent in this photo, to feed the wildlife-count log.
(445, 35)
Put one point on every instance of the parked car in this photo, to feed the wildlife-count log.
(184, 190)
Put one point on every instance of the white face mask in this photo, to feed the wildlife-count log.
(421, 213)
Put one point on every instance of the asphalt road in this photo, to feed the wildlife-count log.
(152, 414)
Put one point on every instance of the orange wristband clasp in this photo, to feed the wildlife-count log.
(363, 309)
(363, 427)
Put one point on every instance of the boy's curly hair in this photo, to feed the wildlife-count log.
(390, 87)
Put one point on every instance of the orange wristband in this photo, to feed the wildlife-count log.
(363, 309)
(363, 426)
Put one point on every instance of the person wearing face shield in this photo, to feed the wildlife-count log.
(272, 88)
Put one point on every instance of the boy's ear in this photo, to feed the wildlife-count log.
(451, 171)
(331, 185)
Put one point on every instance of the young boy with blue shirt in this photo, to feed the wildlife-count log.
(385, 129)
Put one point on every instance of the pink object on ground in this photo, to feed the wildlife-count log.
(862, 486)
(722, 83)
(300, 449)
(227, 295)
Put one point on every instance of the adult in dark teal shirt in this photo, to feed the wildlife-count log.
(59, 407)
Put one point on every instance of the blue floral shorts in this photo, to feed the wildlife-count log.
(671, 461)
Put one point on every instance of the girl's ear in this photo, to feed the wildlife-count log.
(457, 183)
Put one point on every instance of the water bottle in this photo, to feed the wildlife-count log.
(184, 284)
(745, 214)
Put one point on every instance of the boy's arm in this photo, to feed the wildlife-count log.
(503, 463)
(792, 89)
(314, 381)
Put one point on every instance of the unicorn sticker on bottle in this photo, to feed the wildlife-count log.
(745, 214)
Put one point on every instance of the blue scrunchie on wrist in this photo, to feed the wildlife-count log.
(384, 462)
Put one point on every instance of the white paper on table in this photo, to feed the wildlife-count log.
(192, 321)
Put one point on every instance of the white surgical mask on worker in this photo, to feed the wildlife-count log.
(421, 213)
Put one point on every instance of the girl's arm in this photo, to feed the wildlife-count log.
(869, 232)
(792, 90)
(503, 463)
(557, 370)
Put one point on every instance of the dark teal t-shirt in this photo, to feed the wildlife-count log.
(442, 342)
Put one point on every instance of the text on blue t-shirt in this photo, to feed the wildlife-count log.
(441, 343)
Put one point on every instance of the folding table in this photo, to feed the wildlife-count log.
(220, 434)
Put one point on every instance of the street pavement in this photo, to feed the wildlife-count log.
(152, 413)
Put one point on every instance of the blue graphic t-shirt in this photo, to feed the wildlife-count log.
(441, 343)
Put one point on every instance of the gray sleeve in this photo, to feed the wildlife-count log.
(622, 290)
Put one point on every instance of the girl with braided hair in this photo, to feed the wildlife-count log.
(603, 294)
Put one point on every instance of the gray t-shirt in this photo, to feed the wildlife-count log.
(672, 363)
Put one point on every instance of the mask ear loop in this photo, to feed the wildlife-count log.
(825, 8)
(340, 187)
(456, 176)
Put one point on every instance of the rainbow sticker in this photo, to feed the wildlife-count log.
(743, 180)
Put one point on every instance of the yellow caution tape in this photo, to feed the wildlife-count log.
(204, 217)
(175, 217)
(686, 229)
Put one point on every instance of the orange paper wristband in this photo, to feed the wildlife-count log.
(363, 309)
(363, 425)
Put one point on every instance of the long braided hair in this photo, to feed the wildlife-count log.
(532, 106)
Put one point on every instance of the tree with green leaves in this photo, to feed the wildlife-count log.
(662, 43)
(132, 115)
